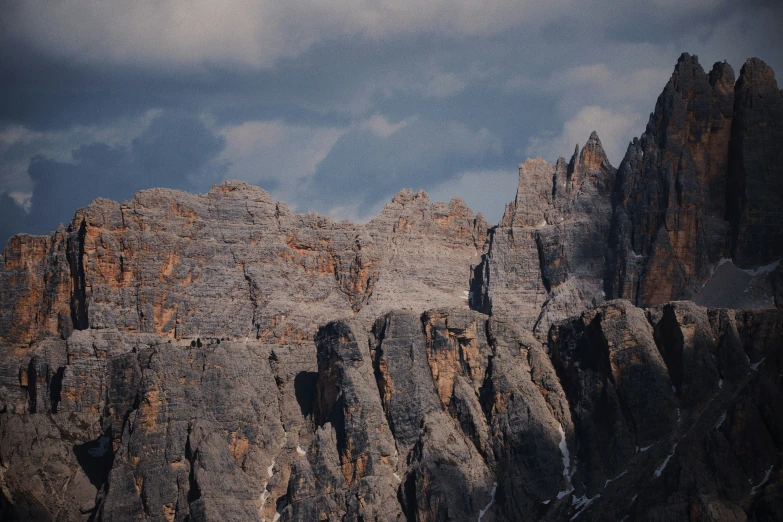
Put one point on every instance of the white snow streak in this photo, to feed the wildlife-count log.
(762, 269)
(582, 503)
(755, 366)
(660, 468)
(566, 461)
(609, 481)
(491, 501)
(755, 488)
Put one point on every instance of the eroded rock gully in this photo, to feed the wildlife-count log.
(611, 350)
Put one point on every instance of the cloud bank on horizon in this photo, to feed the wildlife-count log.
(333, 106)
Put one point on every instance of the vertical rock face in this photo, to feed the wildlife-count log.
(233, 263)
(756, 170)
(698, 183)
(690, 193)
(669, 225)
(546, 257)
(430, 418)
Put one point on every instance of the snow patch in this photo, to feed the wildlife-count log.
(582, 503)
(660, 468)
(642, 450)
(396, 476)
(720, 384)
(491, 501)
(714, 269)
(762, 269)
(755, 488)
(720, 421)
(566, 461)
(300, 451)
(755, 366)
(265, 493)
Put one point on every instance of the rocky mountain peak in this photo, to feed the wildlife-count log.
(722, 76)
(591, 164)
(756, 72)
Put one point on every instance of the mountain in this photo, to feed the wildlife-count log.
(611, 350)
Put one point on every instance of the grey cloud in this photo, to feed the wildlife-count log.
(518, 80)
(175, 151)
(365, 168)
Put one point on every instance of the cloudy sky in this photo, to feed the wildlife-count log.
(333, 106)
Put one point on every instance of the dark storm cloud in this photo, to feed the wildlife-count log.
(175, 151)
(333, 107)
(366, 166)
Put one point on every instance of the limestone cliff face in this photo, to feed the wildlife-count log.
(688, 189)
(700, 187)
(546, 259)
(233, 264)
(208, 357)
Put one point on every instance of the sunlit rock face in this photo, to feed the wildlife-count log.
(611, 350)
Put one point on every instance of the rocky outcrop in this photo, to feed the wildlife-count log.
(659, 228)
(546, 257)
(232, 264)
(677, 412)
(446, 415)
(755, 168)
(689, 188)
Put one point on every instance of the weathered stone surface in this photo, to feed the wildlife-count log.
(546, 257)
(670, 197)
(690, 190)
(233, 264)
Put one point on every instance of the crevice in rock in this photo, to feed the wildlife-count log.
(486, 391)
(380, 379)
(32, 389)
(252, 294)
(55, 388)
(194, 492)
(670, 342)
(75, 256)
(407, 496)
(305, 391)
(95, 458)
(541, 264)
(478, 296)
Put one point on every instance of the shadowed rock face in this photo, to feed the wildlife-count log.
(688, 190)
(187, 357)
(546, 257)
